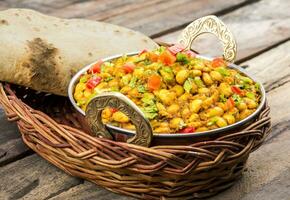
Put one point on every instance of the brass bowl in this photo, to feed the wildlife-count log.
(143, 134)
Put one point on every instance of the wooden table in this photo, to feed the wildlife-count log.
(262, 29)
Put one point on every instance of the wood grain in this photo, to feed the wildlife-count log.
(101, 10)
(11, 144)
(256, 28)
(89, 191)
(33, 178)
(159, 18)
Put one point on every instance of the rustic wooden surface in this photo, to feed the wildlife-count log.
(262, 29)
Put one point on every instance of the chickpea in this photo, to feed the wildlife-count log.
(250, 103)
(102, 85)
(162, 130)
(120, 117)
(195, 105)
(229, 80)
(225, 89)
(202, 129)
(245, 113)
(80, 87)
(205, 91)
(106, 114)
(125, 89)
(229, 118)
(196, 72)
(184, 97)
(199, 65)
(221, 122)
(206, 69)
(181, 76)
(178, 90)
(195, 124)
(176, 123)
(207, 102)
(216, 76)
(138, 72)
(173, 109)
(162, 110)
(215, 111)
(87, 93)
(185, 113)
(78, 95)
(134, 92)
(242, 106)
(207, 79)
(128, 126)
(166, 96)
(114, 83)
(193, 117)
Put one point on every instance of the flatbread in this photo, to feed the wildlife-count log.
(43, 52)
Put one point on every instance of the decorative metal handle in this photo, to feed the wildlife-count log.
(119, 101)
(210, 24)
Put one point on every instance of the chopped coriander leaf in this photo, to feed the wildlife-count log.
(198, 82)
(223, 98)
(147, 62)
(223, 71)
(150, 111)
(188, 85)
(251, 95)
(84, 79)
(133, 82)
(148, 99)
(108, 79)
(141, 88)
(237, 99)
(181, 57)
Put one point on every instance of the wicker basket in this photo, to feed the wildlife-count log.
(161, 172)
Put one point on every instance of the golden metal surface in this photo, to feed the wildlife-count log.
(210, 24)
(119, 101)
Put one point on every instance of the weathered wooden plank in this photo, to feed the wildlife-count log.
(87, 191)
(33, 178)
(256, 27)
(159, 18)
(276, 189)
(40, 5)
(100, 10)
(11, 145)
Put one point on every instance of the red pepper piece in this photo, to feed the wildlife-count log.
(143, 51)
(129, 67)
(113, 110)
(93, 82)
(189, 129)
(218, 62)
(230, 103)
(176, 49)
(236, 90)
(167, 58)
(96, 68)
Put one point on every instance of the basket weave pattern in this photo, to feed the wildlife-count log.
(160, 172)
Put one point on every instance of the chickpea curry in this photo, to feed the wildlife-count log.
(177, 91)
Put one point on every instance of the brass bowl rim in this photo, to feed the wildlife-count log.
(76, 77)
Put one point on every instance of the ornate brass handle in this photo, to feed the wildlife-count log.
(119, 101)
(210, 24)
